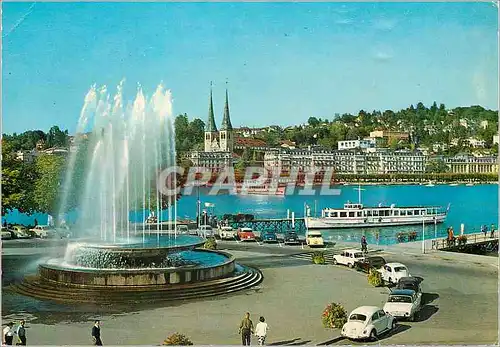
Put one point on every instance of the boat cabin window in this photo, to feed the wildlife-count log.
(359, 214)
(423, 212)
(343, 214)
(409, 213)
(403, 212)
(375, 213)
(351, 214)
(368, 213)
(396, 212)
(334, 214)
(416, 212)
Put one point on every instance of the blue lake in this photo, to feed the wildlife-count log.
(472, 206)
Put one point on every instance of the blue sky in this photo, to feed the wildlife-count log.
(284, 62)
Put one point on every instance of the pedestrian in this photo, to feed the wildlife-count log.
(364, 244)
(484, 229)
(21, 333)
(261, 331)
(96, 333)
(492, 231)
(8, 334)
(246, 329)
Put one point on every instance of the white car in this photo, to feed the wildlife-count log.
(227, 233)
(403, 303)
(44, 231)
(206, 231)
(182, 229)
(392, 272)
(314, 238)
(367, 322)
(348, 257)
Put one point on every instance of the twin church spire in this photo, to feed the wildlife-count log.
(222, 140)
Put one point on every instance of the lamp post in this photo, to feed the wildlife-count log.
(423, 235)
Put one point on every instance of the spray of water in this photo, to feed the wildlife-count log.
(127, 148)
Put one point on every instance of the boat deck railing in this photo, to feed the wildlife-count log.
(463, 240)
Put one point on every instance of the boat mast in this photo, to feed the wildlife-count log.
(359, 193)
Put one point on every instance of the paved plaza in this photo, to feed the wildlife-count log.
(461, 292)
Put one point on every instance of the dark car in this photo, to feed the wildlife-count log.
(291, 238)
(368, 263)
(411, 283)
(268, 237)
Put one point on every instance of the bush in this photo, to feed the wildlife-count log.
(210, 244)
(334, 316)
(177, 339)
(375, 278)
(318, 258)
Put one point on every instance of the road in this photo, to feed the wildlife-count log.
(462, 301)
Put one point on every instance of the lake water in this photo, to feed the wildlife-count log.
(472, 206)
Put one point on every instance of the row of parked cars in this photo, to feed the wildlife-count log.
(39, 231)
(404, 300)
(241, 234)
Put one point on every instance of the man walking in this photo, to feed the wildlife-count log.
(21, 333)
(246, 329)
(96, 334)
(8, 334)
(364, 244)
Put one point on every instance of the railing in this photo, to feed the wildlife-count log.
(469, 239)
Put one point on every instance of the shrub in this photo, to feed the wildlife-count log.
(177, 339)
(334, 316)
(318, 258)
(375, 278)
(210, 244)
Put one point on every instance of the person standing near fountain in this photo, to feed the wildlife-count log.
(96, 334)
(246, 329)
(21, 333)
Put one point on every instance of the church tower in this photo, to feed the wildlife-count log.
(226, 131)
(211, 138)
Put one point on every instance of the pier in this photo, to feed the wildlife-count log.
(487, 241)
(277, 225)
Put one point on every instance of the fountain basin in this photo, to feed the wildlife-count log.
(214, 265)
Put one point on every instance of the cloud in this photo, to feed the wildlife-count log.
(385, 24)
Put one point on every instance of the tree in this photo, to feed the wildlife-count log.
(57, 138)
(48, 184)
(313, 121)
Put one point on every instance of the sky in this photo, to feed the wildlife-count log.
(283, 62)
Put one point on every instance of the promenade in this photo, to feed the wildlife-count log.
(461, 291)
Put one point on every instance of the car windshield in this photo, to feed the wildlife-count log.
(399, 268)
(400, 298)
(376, 262)
(357, 316)
(358, 255)
(314, 236)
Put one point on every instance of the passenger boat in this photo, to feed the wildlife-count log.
(262, 190)
(355, 215)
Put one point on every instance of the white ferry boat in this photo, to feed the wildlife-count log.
(355, 215)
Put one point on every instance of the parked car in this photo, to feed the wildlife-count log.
(246, 234)
(392, 272)
(314, 238)
(19, 232)
(291, 238)
(412, 283)
(227, 233)
(403, 303)
(182, 229)
(348, 257)
(268, 237)
(44, 231)
(6, 235)
(369, 263)
(367, 322)
(206, 231)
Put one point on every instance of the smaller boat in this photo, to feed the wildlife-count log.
(430, 184)
(453, 184)
(469, 185)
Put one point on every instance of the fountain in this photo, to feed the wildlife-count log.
(111, 172)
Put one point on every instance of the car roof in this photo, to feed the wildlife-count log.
(246, 229)
(402, 292)
(413, 280)
(227, 228)
(366, 310)
(395, 264)
(352, 250)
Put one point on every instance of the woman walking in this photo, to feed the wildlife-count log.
(261, 331)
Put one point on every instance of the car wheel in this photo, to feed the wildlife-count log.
(373, 335)
(335, 261)
(394, 325)
(350, 265)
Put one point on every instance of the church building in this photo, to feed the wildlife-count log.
(219, 144)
